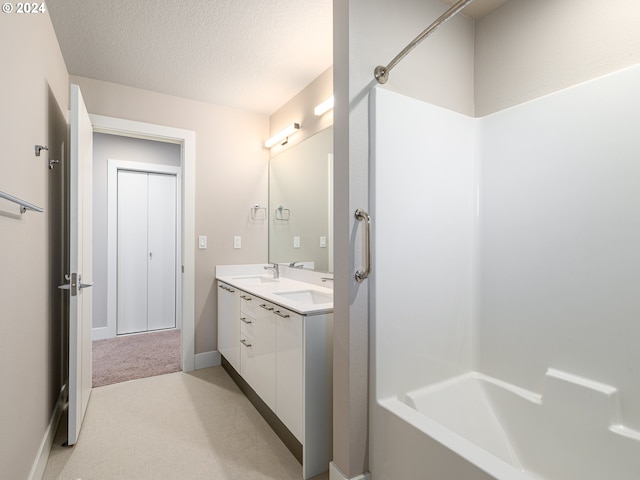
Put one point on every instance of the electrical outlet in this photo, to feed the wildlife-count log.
(202, 242)
(296, 242)
(323, 242)
(237, 241)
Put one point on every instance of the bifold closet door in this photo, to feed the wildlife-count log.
(132, 252)
(161, 267)
(146, 252)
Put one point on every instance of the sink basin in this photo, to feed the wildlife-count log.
(307, 296)
(255, 279)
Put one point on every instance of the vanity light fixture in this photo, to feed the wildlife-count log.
(282, 136)
(324, 107)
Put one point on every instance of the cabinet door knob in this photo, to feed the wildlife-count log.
(245, 320)
(245, 297)
(245, 343)
(280, 314)
(266, 307)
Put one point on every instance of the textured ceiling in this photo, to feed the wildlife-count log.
(249, 54)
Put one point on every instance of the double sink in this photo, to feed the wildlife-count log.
(301, 297)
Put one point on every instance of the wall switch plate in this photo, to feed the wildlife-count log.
(323, 242)
(296, 242)
(237, 241)
(202, 242)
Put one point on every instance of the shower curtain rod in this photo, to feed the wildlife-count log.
(382, 73)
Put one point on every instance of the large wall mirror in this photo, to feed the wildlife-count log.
(301, 204)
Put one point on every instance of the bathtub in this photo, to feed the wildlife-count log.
(476, 427)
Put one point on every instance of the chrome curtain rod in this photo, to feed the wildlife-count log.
(24, 206)
(382, 73)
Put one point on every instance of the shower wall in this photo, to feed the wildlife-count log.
(509, 244)
(560, 229)
(424, 229)
(506, 245)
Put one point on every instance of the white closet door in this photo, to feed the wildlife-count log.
(162, 251)
(132, 252)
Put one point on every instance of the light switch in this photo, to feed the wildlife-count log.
(296, 242)
(237, 241)
(202, 242)
(323, 242)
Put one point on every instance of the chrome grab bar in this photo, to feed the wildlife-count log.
(361, 275)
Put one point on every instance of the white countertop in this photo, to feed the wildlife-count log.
(262, 284)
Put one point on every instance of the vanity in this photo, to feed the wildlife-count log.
(275, 339)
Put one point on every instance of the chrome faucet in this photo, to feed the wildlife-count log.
(275, 269)
(293, 264)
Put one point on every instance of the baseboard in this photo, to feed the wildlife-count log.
(99, 333)
(207, 359)
(336, 474)
(40, 462)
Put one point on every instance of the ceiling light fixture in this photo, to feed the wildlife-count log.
(324, 107)
(282, 136)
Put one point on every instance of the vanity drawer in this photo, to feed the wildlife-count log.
(247, 325)
(258, 356)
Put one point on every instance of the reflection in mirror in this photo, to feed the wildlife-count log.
(300, 204)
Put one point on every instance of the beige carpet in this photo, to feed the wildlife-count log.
(181, 426)
(130, 357)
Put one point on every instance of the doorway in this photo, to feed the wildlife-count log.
(184, 140)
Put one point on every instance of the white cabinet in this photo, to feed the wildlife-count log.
(289, 363)
(285, 357)
(258, 347)
(229, 324)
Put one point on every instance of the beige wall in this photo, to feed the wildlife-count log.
(34, 98)
(231, 176)
(527, 49)
(300, 109)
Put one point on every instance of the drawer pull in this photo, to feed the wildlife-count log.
(266, 307)
(280, 314)
(245, 343)
(244, 319)
(246, 297)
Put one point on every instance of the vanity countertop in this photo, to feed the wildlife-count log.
(301, 297)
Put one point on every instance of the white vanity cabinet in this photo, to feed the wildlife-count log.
(289, 374)
(229, 323)
(285, 357)
(258, 347)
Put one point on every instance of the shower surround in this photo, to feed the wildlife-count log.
(506, 278)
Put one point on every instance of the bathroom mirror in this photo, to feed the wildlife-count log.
(300, 204)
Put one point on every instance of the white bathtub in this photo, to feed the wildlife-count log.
(483, 428)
